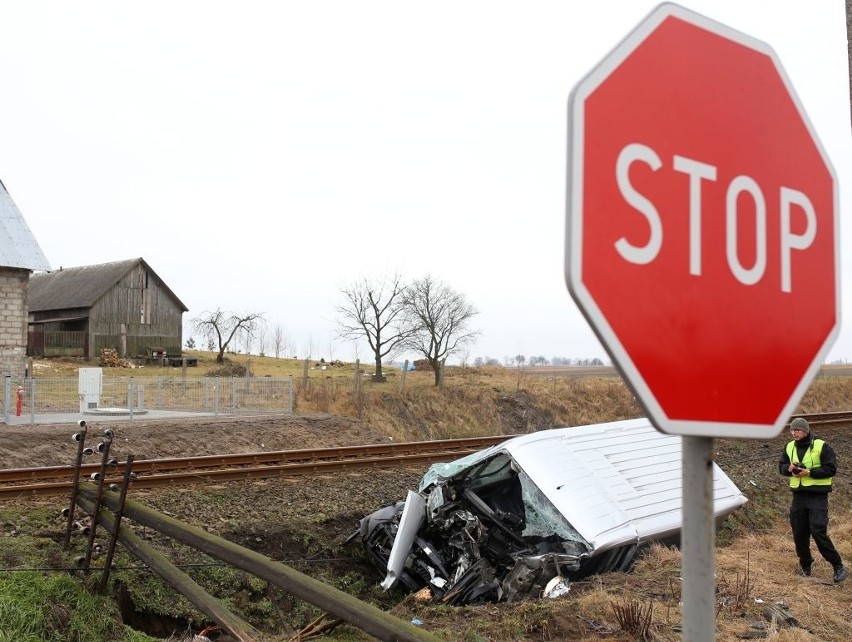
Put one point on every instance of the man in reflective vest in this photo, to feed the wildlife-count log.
(810, 464)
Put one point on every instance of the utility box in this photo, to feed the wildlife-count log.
(90, 387)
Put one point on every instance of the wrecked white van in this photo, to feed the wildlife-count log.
(525, 517)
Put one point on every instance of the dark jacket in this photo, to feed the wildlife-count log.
(827, 467)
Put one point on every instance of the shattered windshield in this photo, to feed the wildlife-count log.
(438, 473)
(541, 517)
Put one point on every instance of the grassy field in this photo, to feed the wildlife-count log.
(207, 366)
(755, 563)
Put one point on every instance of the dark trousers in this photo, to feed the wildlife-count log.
(809, 518)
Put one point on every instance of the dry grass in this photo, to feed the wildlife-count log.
(755, 561)
(755, 572)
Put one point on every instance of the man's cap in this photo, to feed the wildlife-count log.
(801, 424)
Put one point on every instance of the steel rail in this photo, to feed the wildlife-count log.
(820, 418)
(147, 466)
(240, 474)
(220, 468)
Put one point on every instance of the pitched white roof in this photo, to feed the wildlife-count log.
(18, 246)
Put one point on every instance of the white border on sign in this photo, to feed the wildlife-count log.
(574, 230)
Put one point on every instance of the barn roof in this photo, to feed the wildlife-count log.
(81, 287)
(18, 246)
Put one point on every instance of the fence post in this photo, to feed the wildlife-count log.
(131, 392)
(357, 388)
(159, 400)
(32, 399)
(290, 409)
(216, 397)
(305, 377)
(7, 397)
(233, 395)
(402, 378)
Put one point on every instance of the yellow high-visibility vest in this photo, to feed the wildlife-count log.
(809, 461)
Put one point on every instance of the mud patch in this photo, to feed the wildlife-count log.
(158, 626)
(519, 414)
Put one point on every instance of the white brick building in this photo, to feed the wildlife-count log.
(20, 254)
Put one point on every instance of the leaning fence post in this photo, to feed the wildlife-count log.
(177, 579)
(103, 447)
(128, 469)
(365, 616)
(80, 438)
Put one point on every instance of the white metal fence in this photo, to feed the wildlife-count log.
(140, 397)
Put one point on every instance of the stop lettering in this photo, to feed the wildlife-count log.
(702, 226)
(741, 185)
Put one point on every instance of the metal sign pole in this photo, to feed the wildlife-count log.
(698, 541)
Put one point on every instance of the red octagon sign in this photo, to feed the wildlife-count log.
(702, 241)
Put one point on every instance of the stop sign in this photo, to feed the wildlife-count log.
(702, 241)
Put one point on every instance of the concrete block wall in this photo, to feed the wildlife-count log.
(14, 288)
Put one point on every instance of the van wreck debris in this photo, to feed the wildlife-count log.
(528, 516)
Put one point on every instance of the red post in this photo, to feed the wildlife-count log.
(20, 402)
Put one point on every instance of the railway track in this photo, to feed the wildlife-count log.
(821, 418)
(56, 480)
(152, 473)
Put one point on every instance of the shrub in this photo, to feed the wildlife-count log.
(228, 369)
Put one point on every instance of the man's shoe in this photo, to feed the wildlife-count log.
(805, 570)
(840, 574)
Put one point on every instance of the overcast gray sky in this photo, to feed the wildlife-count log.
(263, 155)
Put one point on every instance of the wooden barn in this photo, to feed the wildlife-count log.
(123, 306)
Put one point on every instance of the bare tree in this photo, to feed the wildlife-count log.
(278, 340)
(310, 347)
(373, 310)
(262, 340)
(221, 327)
(440, 317)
